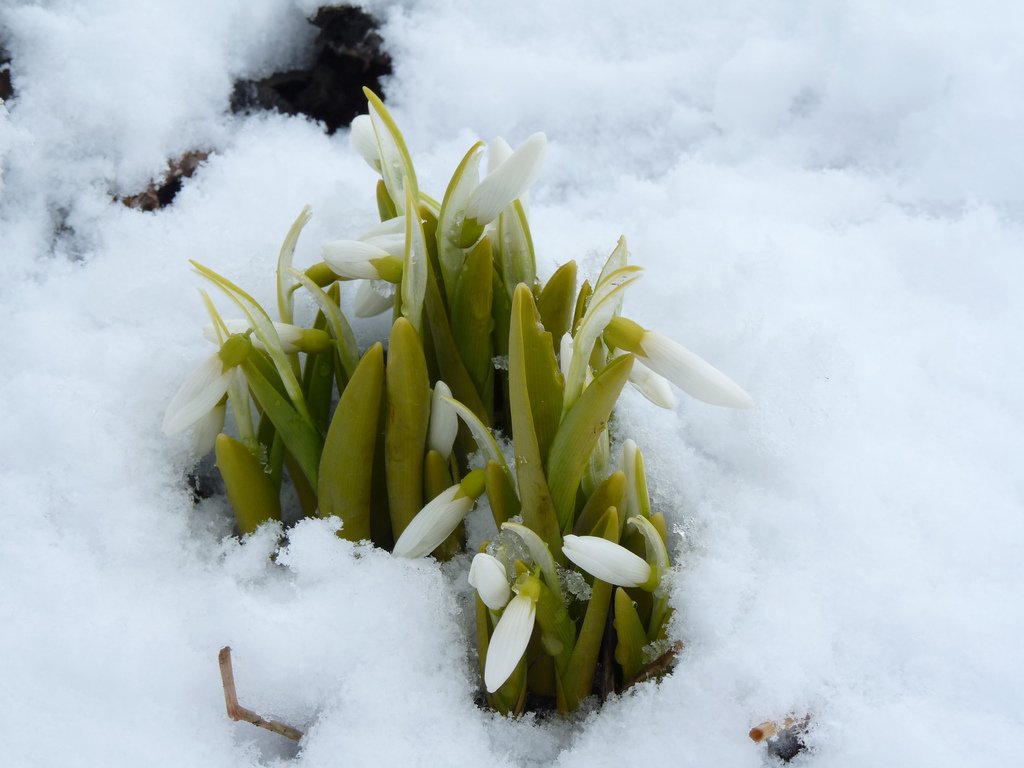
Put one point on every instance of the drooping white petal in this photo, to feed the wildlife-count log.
(198, 394)
(393, 244)
(371, 299)
(691, 373)
(652, 386)
(393, 226)
(490, 579)
(206, 430)
(364, 141)
(351, 258)
(444, 421)
(607, 560)
(508, 181)
(498, 151)
(433, 524)
(630, 501)
(509, 641)
(290, 335)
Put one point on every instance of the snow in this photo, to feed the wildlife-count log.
(827, 200)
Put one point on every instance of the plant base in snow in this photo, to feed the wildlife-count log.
(573, 585)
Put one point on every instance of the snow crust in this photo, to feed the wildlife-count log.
(827, 200)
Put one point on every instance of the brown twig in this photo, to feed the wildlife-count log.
(237, 712)
(656, 667)
(771, 728)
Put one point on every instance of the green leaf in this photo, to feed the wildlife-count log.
(298, 433)
(405, 432)
(501, 493)
(346, 467)
(630, 636)
(251, 492)
(557, 301)
(415, 266)
(608, 494)
(534, 403)
(471, 320)
(578, 435)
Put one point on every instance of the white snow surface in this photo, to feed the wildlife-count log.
(827, 198)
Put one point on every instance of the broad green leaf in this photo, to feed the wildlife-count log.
(251, 492)
(405, 431)
(471, 320)
(346, 468)
(534, 394)
(299, 435)
(630, 634)
(557, 301)
(578, 435)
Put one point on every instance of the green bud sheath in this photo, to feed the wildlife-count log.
(623, 333)
(251, 492)
(385, 205)
(405, 432)
(321, 274)
(631, 637)
(346, 465)
(501, 494)
(557, 301)
(608, 494)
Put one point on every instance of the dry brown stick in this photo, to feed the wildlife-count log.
(770, 728)
(656, 667)
(237, 712)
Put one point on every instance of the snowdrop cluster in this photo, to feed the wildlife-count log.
(383, 440)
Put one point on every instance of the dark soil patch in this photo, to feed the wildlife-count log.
(348, 53)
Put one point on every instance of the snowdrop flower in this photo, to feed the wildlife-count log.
(504, 183)
(676, 363)
(293, 338)
(512, 635)
(359, 259)
(372, 298)
(363, 140)
(607, 561)
(444, 421)
(488, 576)
(206, 385)
(436, 521)
(204, 436)
(652, 386)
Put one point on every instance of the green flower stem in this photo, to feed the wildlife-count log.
(344, 339)
(580, 679)
(578, 435)
(623, 333)
(608, 494)
(535, 412)
(436, 475)
(557, 301)
(405, 432)
(346, 467)
(285, 280)
(251, 492)
(322, 275)
(471, 320)
(318, 382)
(558, 632)
(630, 634)
(305, 491)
